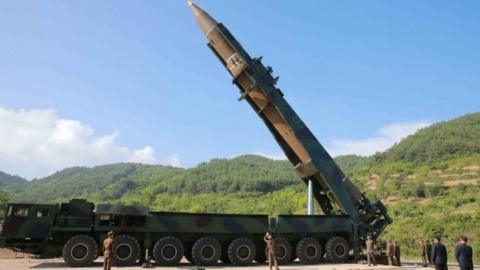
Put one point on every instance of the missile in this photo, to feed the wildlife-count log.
(333, 191)
(258, 87)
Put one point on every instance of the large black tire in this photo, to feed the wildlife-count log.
(241, 251)
(337, 250)
(206, 251)
(80, 250)
(283, 251)
(168, 251)
(309, 251)
(126, 250)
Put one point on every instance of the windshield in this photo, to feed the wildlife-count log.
(18, 211)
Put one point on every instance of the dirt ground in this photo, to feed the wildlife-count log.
(53, 264)
(10, 260)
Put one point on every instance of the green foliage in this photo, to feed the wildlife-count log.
(353, 163)
(413, 189)
(101, 183)
(11, 183)
(247, 173)
(434, 190)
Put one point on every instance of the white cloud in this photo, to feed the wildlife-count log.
(35, 143)
(274, 156)
(383, 139)
(172, 160)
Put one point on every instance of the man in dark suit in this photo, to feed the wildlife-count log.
(429, 252)
(396, 253)
(463, 254)
(439, 255)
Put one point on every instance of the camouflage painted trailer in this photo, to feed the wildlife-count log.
(76, 230)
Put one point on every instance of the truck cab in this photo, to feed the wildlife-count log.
(26, 226)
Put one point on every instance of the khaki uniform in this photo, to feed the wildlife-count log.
(271, 253)
(107, 254)
(423, 253)
(391, 254)
(370, 252)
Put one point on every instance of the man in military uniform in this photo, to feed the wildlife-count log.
(108, 251)
(422, 251)
(370, 244)
(391, 253)
(271, 251)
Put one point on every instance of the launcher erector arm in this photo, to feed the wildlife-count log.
(332, 189)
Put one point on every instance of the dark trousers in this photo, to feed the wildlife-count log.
(466, 267)
(441, 267)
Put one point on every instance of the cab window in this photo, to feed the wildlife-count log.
(109, 220)
(20, 211)
(39, 213)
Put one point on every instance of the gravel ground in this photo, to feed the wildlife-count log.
(28, 263)
(23, 261)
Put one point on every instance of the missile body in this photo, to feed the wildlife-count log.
(332, 189)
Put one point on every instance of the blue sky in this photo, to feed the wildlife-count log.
(94, 82)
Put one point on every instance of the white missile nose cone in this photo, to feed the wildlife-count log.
(204, 20)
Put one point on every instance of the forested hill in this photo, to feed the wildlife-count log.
(443, 140)
(430, 182)
(11, 183)
(248, 173)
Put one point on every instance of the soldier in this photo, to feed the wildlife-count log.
(391, 253)
(271, 251)
(108, 251)
(463, 254)
(370, 251)
(422, 251)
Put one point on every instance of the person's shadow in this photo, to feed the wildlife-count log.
(57, 264)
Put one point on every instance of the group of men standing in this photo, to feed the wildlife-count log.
(393, 252)
(433, 254)
(436, 254)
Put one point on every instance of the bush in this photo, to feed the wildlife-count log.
(434, 190)
(413, 189)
